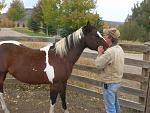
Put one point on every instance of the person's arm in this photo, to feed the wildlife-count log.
(103, 60)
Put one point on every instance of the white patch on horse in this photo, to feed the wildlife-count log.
(51, 110)
(99, 34)
(48, 69)
(10, 42)
(34, 69)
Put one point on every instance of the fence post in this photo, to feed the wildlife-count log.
(147, 99)
(146, 56)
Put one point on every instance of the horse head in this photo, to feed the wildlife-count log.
(93, 38)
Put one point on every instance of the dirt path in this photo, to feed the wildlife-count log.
(4, 32)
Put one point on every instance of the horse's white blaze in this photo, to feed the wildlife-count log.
(10, 42)
(48, 69)
(99, 34)
(4, 107)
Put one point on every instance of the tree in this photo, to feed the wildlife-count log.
(141, 13)
(16, 10)
(33, 25)
(65, 15)
(50, 10)
(76, 13)
(2, 5)
(137, 25)
(37, 13)
(132, 31)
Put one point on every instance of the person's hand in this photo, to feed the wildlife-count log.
(100, 50)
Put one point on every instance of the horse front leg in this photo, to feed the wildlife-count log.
(4, 107)
(63, 99)
(53, 97)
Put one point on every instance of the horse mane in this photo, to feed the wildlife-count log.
(62, 47)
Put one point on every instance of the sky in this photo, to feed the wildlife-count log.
(111, 10)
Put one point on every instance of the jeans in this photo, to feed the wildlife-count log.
(111, 98)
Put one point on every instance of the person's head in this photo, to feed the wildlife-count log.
(111, 35)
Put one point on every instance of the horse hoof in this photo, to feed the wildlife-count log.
(66, 111)
(6, 111)
(51, 111)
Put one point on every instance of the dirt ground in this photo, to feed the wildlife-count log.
(35, 99)
(25, 98)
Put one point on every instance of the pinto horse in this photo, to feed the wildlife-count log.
(49, 65)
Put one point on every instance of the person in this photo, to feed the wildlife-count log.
(111, 63)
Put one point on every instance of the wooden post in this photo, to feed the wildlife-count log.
(147, 99)
(146, 56)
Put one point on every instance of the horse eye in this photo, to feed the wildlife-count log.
(97, 36)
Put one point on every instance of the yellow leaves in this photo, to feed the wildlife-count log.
(2, 4)
(5, 22)
(105, 25)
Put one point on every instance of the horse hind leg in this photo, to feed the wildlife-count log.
(4, 107)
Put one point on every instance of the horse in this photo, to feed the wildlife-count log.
(51, 64)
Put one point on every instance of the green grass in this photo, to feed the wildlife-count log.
(28, 32)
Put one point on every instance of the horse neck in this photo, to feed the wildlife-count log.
(74, 53)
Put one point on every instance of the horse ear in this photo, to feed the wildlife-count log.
(87, 28)
(88, 23)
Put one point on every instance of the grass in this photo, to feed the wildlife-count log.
(28, 32)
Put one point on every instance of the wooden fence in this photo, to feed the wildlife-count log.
(143, 92)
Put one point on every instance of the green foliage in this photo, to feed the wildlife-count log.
(65, 15)
(33, 25)
(37, 12)
(16, 10)
(141, 14)
(137, 25)
(2, 5)
(76, 13)
(132, 31)
(50, 11)
(49, 29)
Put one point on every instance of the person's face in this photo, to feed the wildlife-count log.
(108, 39)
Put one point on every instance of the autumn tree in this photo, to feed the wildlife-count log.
(65, 16)
(16, 10)
(75, 13)
(50, 11)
